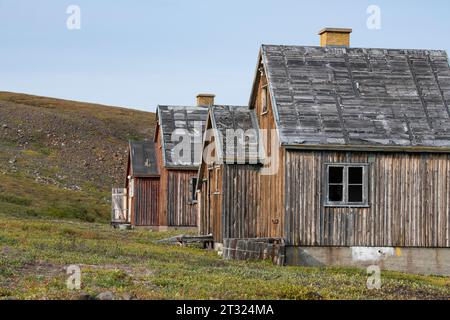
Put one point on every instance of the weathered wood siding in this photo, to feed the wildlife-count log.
(241, 201)
(176, 208)
(146, 202)
(163, 179)
(215, 205)
(232, 209)
(409, 197)
(181, 210)
(211, 202)
(271, 211)
(249, 204)
(204, 227)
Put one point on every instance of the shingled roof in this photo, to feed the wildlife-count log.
(177, 123)
(143, 159)
(238, 132)
(359, 98)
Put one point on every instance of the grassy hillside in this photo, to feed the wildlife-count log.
(60, 158)
(34, 254)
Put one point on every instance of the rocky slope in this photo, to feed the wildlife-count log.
(52, 149)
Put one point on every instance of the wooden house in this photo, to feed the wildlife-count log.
(228, 176)
(359, 140)
(142, 185)
(180, 125)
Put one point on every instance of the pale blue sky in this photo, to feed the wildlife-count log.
(142, 53)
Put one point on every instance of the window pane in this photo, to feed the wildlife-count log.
(355, 175)
(335, 174)
(355, 194)
(335, 193)
(193, 190)
(264, 100)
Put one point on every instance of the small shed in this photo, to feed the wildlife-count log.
(142, 184)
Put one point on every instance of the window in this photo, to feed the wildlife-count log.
(193, 190)
(264, 100)
(336, 184)
(217, 169)
(347, 185)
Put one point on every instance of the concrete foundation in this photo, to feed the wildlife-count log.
(427, 261)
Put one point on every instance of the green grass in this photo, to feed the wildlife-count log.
(40, 200)
(15, 200)
(34, 253)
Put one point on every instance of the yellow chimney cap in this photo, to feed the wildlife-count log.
(335, 30)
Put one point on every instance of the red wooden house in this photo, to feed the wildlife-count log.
(142, 184)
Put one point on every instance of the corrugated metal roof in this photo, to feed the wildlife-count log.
(239, 134)
(326, 96)
(143, 159)
(182, 123)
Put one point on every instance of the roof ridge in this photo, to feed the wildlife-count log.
(353, 48)
(182, 106)
(229, 105)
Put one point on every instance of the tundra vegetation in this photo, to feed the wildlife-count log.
(35, 252)
(61, 158)
(58, 161)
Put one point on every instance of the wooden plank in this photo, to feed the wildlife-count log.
(408, 202)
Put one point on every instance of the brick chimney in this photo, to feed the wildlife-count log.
(335, 37)
(205, 100)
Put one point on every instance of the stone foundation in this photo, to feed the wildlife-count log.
(255, 249)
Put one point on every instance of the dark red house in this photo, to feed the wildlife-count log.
(142, 184)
